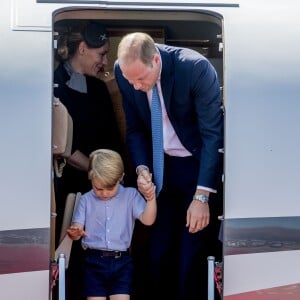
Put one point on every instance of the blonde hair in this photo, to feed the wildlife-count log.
(107, 166)
(136, 45)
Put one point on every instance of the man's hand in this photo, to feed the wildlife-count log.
(197, 217)
(145, 184)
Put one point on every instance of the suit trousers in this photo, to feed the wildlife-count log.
(178, 259)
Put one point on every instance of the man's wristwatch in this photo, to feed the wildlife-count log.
(203, 198)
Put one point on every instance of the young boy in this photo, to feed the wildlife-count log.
(105, 218)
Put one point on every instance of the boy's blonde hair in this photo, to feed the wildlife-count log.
(106, 165)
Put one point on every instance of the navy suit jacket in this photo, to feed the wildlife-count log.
(191, 94)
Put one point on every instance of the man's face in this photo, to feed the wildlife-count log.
(141, 76)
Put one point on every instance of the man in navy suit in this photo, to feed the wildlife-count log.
(186, 230)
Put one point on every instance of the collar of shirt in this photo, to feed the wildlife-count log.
(77, 81)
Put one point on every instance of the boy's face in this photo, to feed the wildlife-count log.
(103, 192)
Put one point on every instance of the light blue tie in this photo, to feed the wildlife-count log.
(157, 140)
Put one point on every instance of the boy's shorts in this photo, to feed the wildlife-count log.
(107, 275)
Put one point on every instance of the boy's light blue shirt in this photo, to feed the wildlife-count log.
(109, 223)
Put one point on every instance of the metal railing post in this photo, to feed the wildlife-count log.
(211, 278)
(62, 277)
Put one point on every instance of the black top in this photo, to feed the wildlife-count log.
(94, 124)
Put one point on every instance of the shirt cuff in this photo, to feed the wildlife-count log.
(200, 187)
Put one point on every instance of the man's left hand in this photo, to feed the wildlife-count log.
(197, 217)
